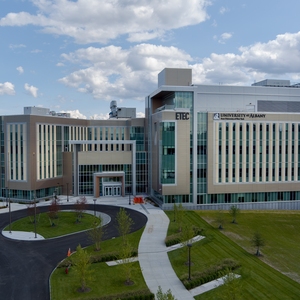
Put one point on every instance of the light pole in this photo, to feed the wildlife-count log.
(9, 213)
(34, 215)
(67, 192)
(6, 196)
(190, 246)
(94, 206)
(129, 200)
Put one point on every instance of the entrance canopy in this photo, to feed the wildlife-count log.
(109, 188)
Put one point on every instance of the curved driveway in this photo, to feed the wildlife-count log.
(25, 266)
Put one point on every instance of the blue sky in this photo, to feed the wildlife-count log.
(77, 56)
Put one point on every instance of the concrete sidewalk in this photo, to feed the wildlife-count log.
(154, 261)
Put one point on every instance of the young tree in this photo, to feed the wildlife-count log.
(53, 211)
(175, 212)
(80, 207)
(258, 242)
(32, 211)
(96, 234)
(180, 216)
(160, 295)
(220, 219)
(124, 224)
(232, 287)
(82, 264)
(186, 236)
(234, 211)
(126, 261)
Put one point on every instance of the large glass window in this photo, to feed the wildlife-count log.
(167, 134)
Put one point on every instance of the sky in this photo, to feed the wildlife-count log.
(77, 56)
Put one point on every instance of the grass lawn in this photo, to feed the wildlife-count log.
(106, 280)
(280, 230)
(64, 224)
(259, 280)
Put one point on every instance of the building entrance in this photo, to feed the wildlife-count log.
(111, 188)
(112, 191)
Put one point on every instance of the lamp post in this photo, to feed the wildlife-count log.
(6, 196)
(54, 196)
(94, 206)
(34, 215)
(9, 213)
(190, 246)
(129, 200)
(67, 192)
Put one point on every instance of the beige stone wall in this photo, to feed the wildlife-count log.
(105, 158)
(244, 187)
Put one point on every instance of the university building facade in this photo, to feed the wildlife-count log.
(200, 145)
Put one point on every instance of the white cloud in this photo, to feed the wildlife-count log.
(12, 46)
(7, 88)
(140, 115)
(20, 70)
(100, 116)
(278, 58)
(75, 114)
(115, 73)
(31, 90)
(101, 21)
(224, 37)
(36, 51)
(110, 73)
(224, 10)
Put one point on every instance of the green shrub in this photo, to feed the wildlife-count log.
(176, 238)
(173, 239)
(137, 295)
(110, 256)
(212, 273)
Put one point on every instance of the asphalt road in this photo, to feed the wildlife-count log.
(25, 266)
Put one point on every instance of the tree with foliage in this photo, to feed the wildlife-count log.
(234, 211)
(175, 211)
(80, 207)
(126, 261)
(186, 235)
(232, 287)
(96, 234)
(82, 267)
(180, 216)
(258, 242)
(160, 295)
(54, 208)
(125, 224)
(220, 219)
(32, 211)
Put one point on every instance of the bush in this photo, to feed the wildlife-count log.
(173, 239)
(212, 273)
(137, 295)
(176, 238)
(98, 258)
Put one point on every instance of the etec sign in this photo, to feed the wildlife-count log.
(182, 116)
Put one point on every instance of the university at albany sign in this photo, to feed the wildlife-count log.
(237, 116)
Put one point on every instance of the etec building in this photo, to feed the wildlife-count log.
(199, 145)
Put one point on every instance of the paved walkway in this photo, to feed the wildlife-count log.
(153, 257)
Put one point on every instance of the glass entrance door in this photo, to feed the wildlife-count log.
(112, 191)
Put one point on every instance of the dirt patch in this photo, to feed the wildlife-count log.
(233, 236)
